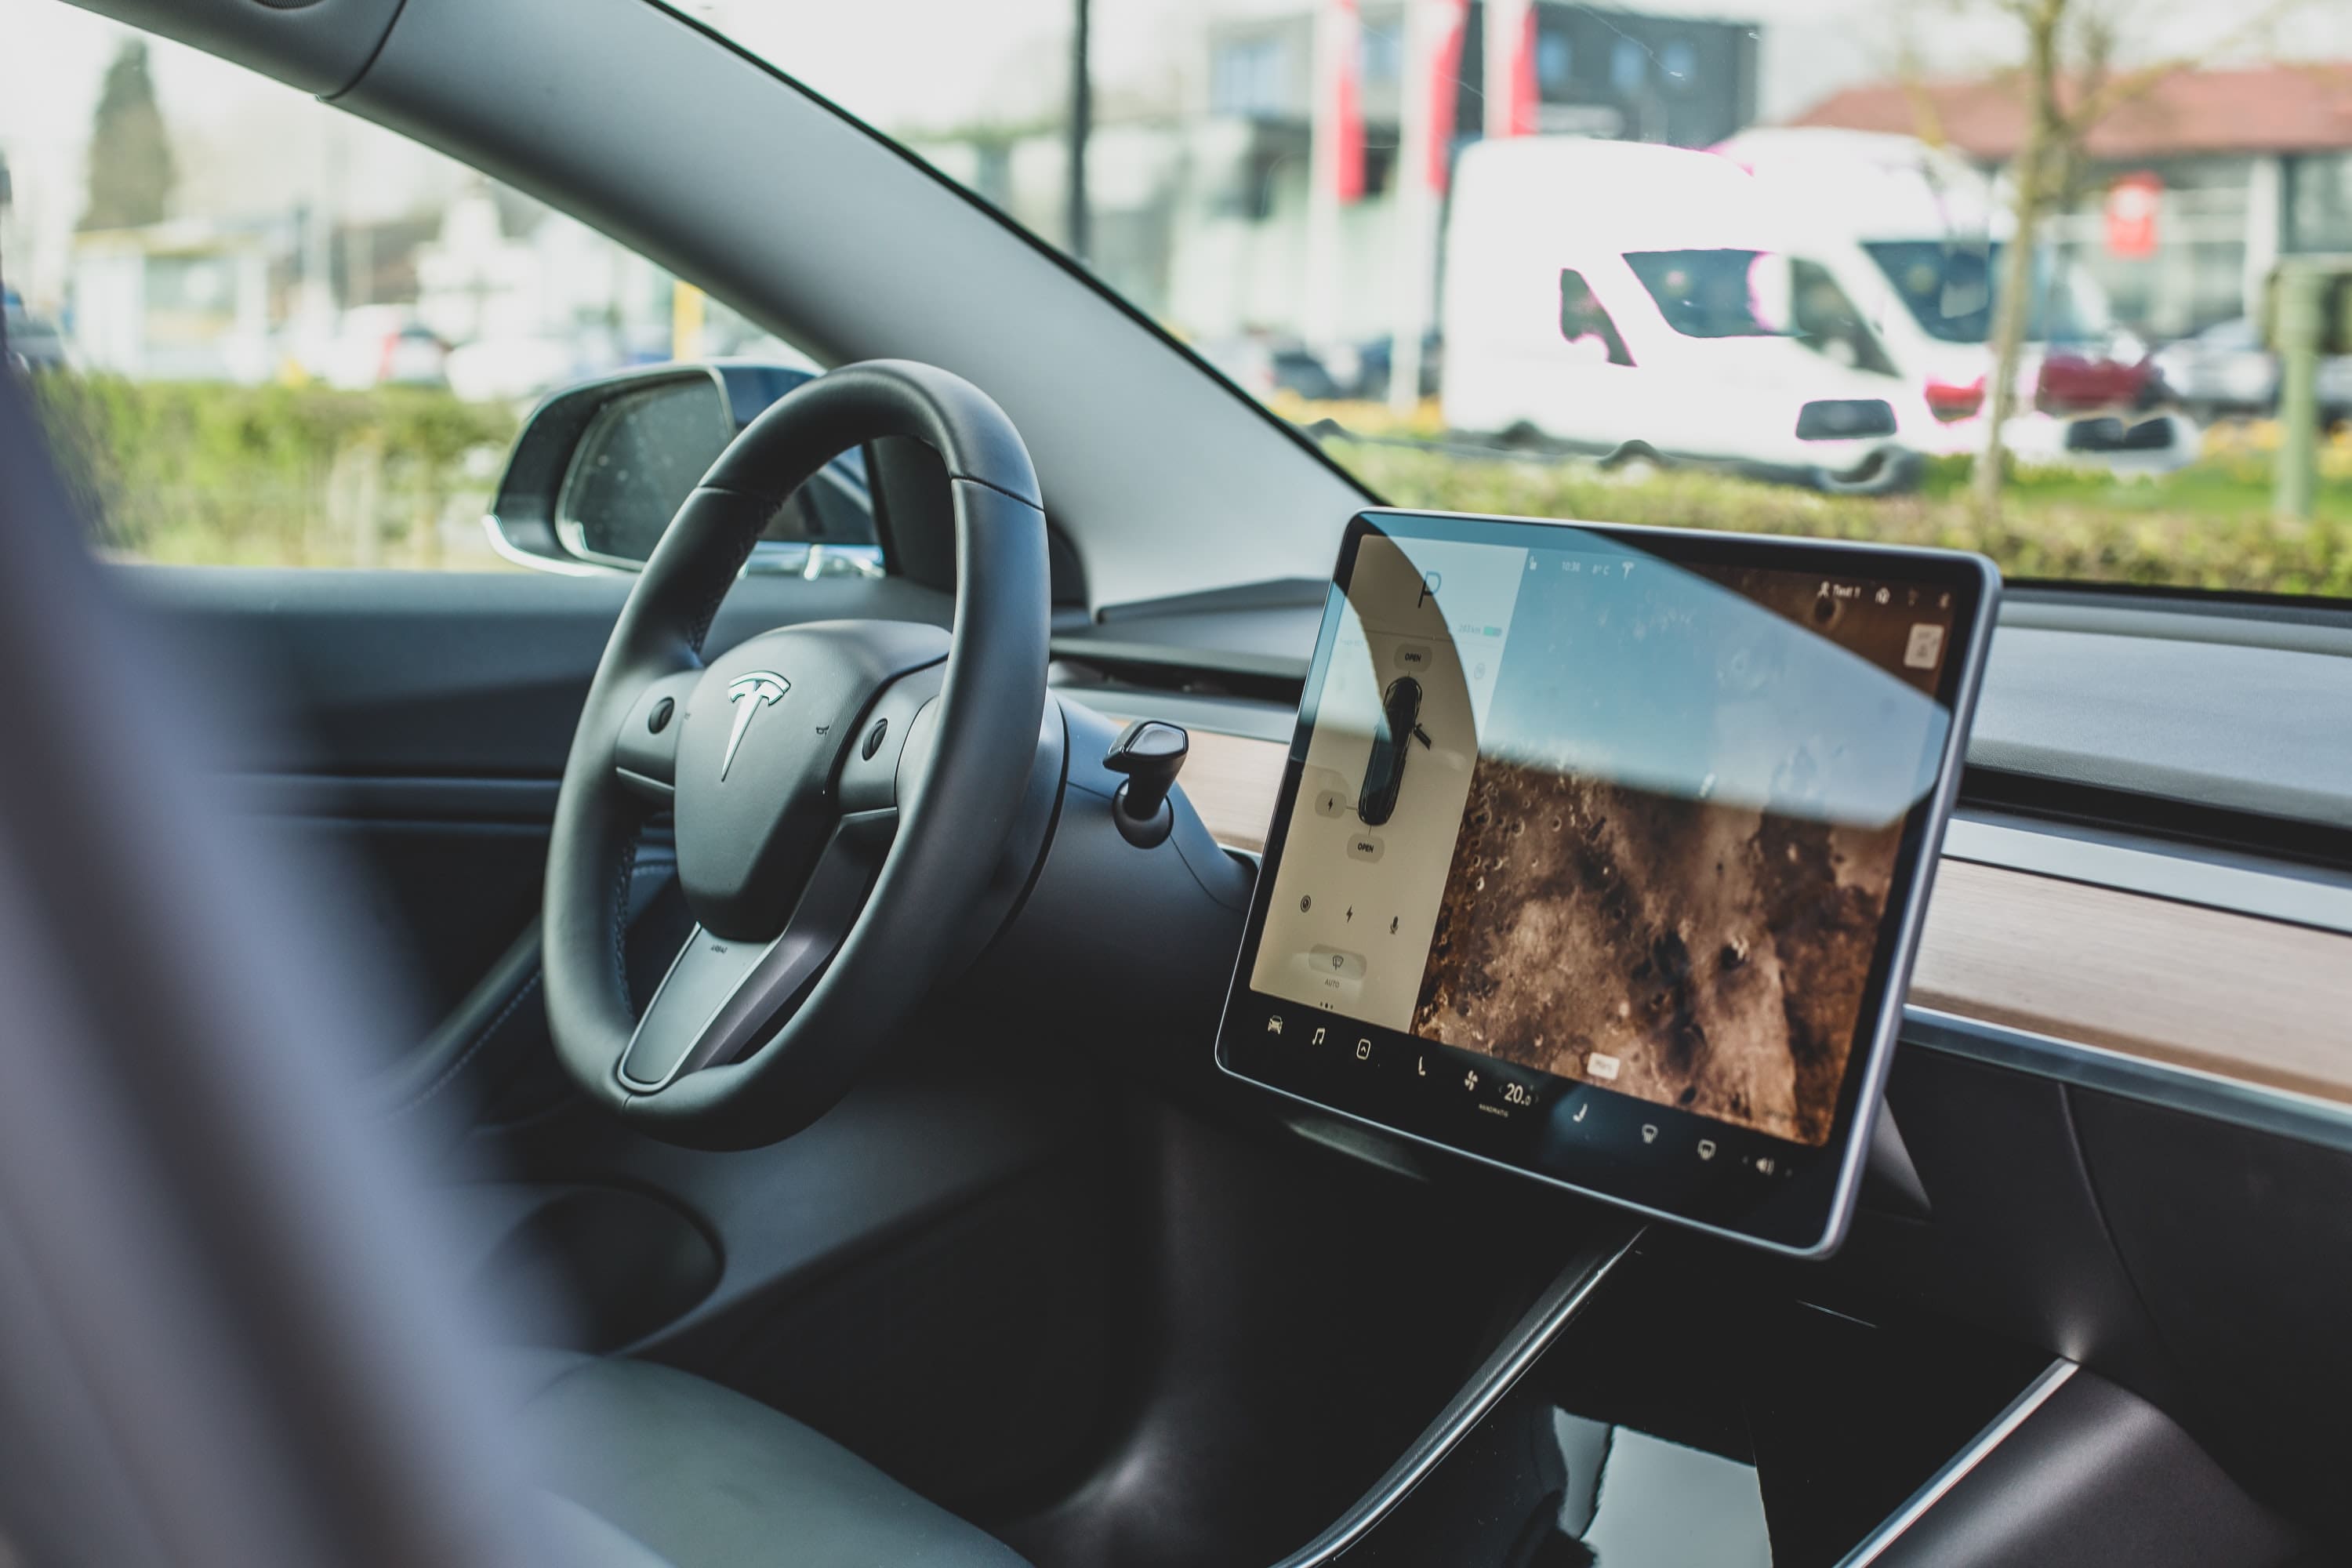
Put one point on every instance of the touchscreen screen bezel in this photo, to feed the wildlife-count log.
(1805, 1210)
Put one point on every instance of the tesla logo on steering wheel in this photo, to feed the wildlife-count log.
(761, 687)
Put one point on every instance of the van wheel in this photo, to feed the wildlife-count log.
(1884, 473)
(1634, 460)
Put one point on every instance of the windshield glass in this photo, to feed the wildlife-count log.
(1947, 285)
(1398, 223)
(1504, 256)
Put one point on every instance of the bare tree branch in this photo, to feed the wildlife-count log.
(2095, 102)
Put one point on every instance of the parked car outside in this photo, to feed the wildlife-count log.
(2228, 369)
(1263, 365)
(34, 341)
(385, 345)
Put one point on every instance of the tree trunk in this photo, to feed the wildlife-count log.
(2013, 295)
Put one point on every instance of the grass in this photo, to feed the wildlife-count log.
(206, 474)
(398, 477)
(2209, 525)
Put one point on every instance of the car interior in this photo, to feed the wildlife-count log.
(852, 1036)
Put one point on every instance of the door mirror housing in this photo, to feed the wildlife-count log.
(601, 468)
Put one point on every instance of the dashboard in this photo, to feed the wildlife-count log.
(2085, 916)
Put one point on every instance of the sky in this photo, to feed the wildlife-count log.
(245, 143)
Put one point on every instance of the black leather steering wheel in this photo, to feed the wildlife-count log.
(830, 871)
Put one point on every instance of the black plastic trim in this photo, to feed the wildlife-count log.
(2277, 1111)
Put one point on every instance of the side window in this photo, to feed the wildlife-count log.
(1584, 324)
(262, 332)
(1826, 320)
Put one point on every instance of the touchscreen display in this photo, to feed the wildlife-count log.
(1598, 850)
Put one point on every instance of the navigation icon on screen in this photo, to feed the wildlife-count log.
(1649, 1133)
(1707, 1148)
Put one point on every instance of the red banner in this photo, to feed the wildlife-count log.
(1343, 111)
(1512, 93)
(2133, 203)
(1445, 90)
(1524, 91)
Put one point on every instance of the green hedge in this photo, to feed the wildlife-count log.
(208, 473)
(2205, 526)
(398, 476)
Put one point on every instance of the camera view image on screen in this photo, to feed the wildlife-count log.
(1632, 824)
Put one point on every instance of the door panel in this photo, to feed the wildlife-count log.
(429, 714)
(452, 676)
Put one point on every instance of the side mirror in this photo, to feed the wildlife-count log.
(601, 468)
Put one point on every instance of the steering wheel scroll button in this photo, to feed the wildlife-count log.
(873, 739)
(644, 749)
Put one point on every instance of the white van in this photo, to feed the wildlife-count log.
(1913, 236)
(1618, 297)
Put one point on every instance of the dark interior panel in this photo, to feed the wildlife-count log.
(1697, 1411)
(2096, 1477)
(1288, 1319)
(450, 675)
(968, 1358)
(919, 1274)
(438, 900)
(2242, 1243)
(2014, 1239)
(584, 1268)
(416, 724)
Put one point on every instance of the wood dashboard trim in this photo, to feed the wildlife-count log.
(2253, 999)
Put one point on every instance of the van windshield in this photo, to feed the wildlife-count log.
(1706, 293)
(1947, 285)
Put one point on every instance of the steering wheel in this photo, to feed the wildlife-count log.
(836, 822)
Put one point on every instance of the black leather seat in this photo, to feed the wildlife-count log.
(675, 1469)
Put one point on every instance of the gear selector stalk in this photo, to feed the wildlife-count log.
(1150, 752)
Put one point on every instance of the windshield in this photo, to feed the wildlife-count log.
(1947, 285)
(1397, 224)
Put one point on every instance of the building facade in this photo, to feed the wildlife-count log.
(2246, 166)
